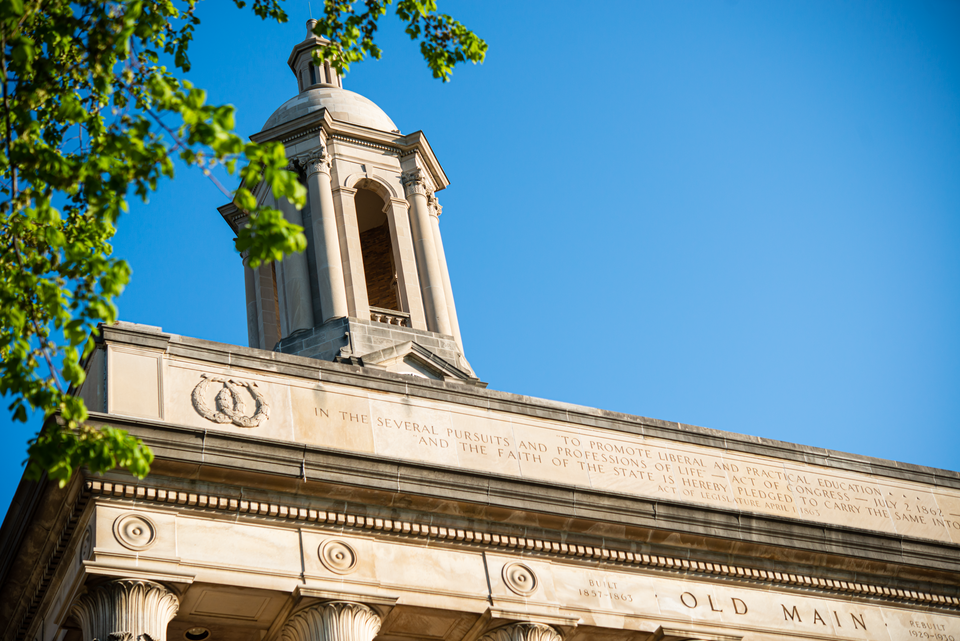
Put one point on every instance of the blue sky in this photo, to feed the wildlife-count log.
(741, 215)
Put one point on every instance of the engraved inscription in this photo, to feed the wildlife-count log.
(930, 631)
(648, 467)
(600, 588)
(794, 615)
(523, 446)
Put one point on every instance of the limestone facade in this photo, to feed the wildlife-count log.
(347, 477)
(297, 498)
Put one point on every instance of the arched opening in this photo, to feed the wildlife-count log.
(378, 268)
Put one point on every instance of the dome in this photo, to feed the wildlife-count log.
(342, 105)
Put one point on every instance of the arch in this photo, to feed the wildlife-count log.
(374, 183)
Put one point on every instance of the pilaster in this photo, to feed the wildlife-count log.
(296, 279)
(126, 610)
(406, 261)
(268, 306)
(250, 290)
(351, 252)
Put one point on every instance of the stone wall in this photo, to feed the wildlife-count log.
(324, 342)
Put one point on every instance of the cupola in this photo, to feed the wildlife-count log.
(307, 72)
(373, 287)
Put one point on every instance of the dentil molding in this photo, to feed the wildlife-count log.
(523, 545)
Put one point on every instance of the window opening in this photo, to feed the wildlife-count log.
(378, 268)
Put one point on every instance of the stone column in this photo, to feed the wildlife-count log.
(296, 279)
(335, 621)
(431, 278)
(411, 300)
(126, 610)
(435, 210)
(354, 278)
(333, 295)
(268, 306)
(523, 632)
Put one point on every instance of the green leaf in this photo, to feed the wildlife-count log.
(90, 110)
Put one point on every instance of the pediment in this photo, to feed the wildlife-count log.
(415, 360)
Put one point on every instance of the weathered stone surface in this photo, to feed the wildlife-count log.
(388, 495)
(534, 445)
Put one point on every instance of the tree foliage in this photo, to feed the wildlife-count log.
(92, 117)
(443, 41)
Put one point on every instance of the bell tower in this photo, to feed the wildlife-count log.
(372, 288)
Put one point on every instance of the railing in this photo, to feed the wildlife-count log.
(390, 317)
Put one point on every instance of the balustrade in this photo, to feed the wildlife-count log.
(390, 317)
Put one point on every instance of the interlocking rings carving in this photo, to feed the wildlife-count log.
(134, 531)
(520, 578)
(229, 405)
(337, 556)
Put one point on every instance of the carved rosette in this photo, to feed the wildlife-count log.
(316, 161)
(126, 610)
(414, 182)
(520, 578)
(338, 556)
(523, 632)
(135, 531)
(335, 621)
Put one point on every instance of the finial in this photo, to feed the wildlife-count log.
(311, 23)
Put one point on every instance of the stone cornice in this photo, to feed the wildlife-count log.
(233, 216)
(46, 563)
(417, 142)
(342, 521)
(392, 149)
(320, 120)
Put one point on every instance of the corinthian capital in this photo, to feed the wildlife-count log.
(523, 632)
(335, 621)
(434, 204)
(126, 610)
(414, 182)
(316, 161)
